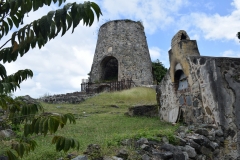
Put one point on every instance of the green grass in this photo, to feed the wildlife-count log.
(98, 122)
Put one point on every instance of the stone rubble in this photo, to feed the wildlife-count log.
(194, 143)
(73, 98)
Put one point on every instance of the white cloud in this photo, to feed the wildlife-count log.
(154, 14)
(230, 53)
(154, 53)
(214, 27)
(236, 3)
(195, 37)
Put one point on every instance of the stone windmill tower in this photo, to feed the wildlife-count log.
(122, 53)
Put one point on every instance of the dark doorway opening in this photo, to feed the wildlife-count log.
(180, 80)
(109, 69)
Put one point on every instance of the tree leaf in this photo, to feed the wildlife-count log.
(11, 155)
(45, 126)
(36, 28)
(96, 9)
(10, 22)
(57, 19)
(33, 43)
(27, 129)
(58, 144)
(15, 46)
(67, 144)
(91, 17)
(48, 2)
(44, 27)
(29, 5)
(5, 24)
(13, 37)
(50, 16)
(3, 72)
(67, 6)
(69, 21)
(36, 125)
(21, 150)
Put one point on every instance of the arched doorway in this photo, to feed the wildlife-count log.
(180, 80)
(109, 66)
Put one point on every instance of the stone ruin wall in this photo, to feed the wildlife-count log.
(125, 41)
(211, 97)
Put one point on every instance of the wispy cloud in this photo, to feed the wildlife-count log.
(155, 14)
(230, 53)
(214, 27)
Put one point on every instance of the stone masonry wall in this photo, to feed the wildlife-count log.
(213, 97)
(124, 40)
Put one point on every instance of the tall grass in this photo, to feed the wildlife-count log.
(134, 96)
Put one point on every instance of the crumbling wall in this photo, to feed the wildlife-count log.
(181, 46)
(228, 96)
(167, 100)
(218, 80)
(213, 97)
(74, 98)
(201, 90)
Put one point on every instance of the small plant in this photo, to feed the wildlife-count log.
(173, 140)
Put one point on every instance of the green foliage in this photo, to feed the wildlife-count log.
(158, 70)
(10, 83)
(64, 144)
(38, 32)
(47, 122)
(24, 146)
(35, 121)
(30, 116)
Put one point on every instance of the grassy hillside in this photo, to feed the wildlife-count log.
(101, 120)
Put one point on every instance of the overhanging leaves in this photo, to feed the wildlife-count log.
(11, 83)
(14, 10)
(39, 32)
(48, 122)
(24, 146)
(46, 28)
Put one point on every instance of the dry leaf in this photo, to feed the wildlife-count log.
(15, 46)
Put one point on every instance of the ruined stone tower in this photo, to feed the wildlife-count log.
(202, 91)
(122, 53)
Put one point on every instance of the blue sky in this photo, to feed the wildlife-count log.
(61, 65)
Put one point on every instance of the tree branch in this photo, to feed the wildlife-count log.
(5, 43)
